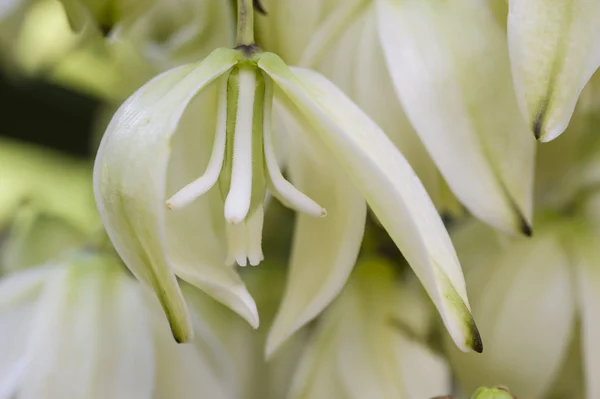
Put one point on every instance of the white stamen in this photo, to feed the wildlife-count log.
(283, 189)
(254, 227)
(237, 203)
(205, 182)
(236, 243)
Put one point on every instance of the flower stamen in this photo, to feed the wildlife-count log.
(282, 189)
(205, 182)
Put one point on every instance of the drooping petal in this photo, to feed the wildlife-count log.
(324, 249)
(451, 70)
(371, 357)
(130, 177)
(390, 186)
(196, 233)
(526, 311)
(554, 50)
(356, 65)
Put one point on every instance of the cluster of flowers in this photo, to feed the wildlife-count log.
(409, 108)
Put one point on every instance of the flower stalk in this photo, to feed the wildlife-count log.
(245, 23)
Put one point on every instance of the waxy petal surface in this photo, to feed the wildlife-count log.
(130, 182)
(554, 50)
(450, 66)
(389, 185)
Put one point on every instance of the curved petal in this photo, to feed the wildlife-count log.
(390, 186)
(554, 50)
(357, 66)
(130, 177)
(451, 71)
(526, 311)
(195, 233)
(324, 249)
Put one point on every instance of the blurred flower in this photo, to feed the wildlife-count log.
(367, 345)
(554, 49)
(134, 171)
(529, 295)
(81, 327)
(439, 59)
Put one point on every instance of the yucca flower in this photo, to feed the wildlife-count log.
(446, 66)
(82, 327)
(554, 50)
(164, 220)
(367, 344)
(530, 294)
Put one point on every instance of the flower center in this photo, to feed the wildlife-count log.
(243, 163)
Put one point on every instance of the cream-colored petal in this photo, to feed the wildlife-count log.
(130, 179)
(526, 313)
(15, 325)
(356, 65)
(324, 250)
(554, 50)
(69, 307)
(184, 371)
(316, 376)
(425, 373)
(366, 359)
(451, 70)
(21, 286)
(389, 185)
(125, 356)
(195, 234)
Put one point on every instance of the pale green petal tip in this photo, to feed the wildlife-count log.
(492, 393)
(457, 316)
(177, 315)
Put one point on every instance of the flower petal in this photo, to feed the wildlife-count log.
(130, 177)
(324, 249)
(125, 365)
(15, 323)
(357, 66)
(390, 186)
(526, 311)
(588, 281)
(451, 71)
(554, 49)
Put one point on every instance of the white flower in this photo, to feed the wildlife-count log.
(529, 295)
(366, 345)
(83, 328)
(151, 151)
(554, 50)
(448, 63)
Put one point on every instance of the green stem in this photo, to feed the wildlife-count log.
(245, 23)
